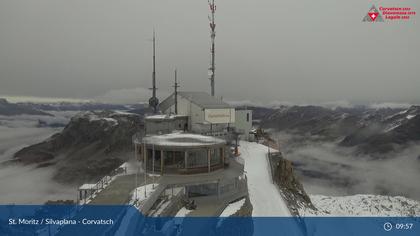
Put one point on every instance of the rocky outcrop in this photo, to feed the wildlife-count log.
(292, 190)
(90, 146)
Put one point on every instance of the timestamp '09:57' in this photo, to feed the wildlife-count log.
(404, 226)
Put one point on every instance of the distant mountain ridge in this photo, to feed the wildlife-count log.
(372, 131)
(12, 109)
(80, 106)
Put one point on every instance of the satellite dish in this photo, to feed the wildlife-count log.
(153, 102)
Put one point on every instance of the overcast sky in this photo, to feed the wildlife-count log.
(267, 50)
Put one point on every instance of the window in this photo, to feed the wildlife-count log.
(247, 117)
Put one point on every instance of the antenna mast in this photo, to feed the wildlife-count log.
(154, 101)
(212, 49)
(176, 86)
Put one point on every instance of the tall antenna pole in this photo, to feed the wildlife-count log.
(154, 101)
(212, 49)
(176, 86)
(154, 65)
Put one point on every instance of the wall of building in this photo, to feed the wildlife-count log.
(204, 120)
(220, 115)
(156, 126)
(243, 122)
(187, 108)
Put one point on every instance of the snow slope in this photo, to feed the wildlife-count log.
(363, 205)
(264, 195)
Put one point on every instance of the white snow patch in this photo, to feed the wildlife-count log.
(232, 208)
(92, 116)
(162, 116)
(410, 116)
(179, 218)
(87, 187)
(182, 212)
(111, 120)
(393, 126)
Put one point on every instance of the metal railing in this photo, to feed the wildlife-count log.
(100, 185)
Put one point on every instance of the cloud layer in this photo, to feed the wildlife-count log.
(328, 169)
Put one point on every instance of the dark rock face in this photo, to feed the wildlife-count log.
(292, 189)
(90, 146)
(11, 109)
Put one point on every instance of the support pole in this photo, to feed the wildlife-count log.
(208, 159)
(135, 160)
(218, 188)
(185, 159)
(212, 49)
(145, 169)
(176, 86)
(153, 167)
(161, 162)
(222, 153)
(154, 101)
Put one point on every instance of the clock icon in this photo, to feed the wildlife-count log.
(387, 226)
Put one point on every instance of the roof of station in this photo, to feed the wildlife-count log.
(183, 140)
(163, 117)
(202, 99)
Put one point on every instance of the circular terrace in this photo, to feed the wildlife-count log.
(181, 153)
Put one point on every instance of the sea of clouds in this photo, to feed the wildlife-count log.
(329, 169)
(28, 184)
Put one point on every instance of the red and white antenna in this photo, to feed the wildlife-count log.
(212, 49)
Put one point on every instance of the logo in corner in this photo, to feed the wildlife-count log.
(373, 15)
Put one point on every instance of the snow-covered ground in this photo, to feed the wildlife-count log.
(362, 205)
(264, 194)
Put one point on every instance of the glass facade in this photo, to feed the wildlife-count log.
(195, 160)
